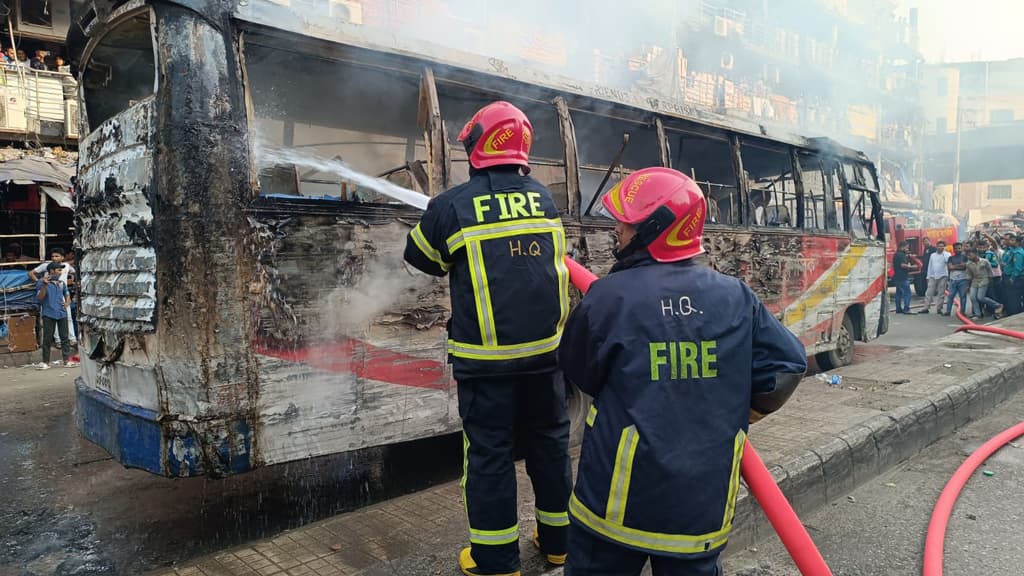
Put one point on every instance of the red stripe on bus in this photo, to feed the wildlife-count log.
(366, 361)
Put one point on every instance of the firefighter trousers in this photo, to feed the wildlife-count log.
(594, 556)
(498, 412)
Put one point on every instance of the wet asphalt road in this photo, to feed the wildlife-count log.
(879, 529)
(67, 509)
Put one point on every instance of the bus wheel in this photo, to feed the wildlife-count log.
(842, 354)
(579, 405)
(920, 284)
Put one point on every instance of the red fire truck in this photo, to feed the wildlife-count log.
(900, 228)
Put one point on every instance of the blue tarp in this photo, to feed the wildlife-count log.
(17, 291)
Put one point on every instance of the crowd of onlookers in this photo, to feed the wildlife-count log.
(12, 58)
(984, 275)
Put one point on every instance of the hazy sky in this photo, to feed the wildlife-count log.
(961, 30)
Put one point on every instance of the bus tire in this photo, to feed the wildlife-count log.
(920, 284)
(579, 405)
(842, 354)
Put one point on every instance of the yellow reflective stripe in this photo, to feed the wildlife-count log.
(734, 478)
(503, 351)
(644, 540)
(552, 518)
(591, 415)
(494, 537)
(562, 270)
(429, 251)
(481, 292)
(616, 510)
(465, 473)
(499, 229)
(828, 286)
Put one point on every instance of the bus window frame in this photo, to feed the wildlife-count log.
(826, 162)
(127, 12)
(788, 150)
(876, 219)
(646, 123)
(677, 127)
(271, 41)
(570, 159)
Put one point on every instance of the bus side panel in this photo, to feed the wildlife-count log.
(807, 281)
(118, 393)
(351, 342)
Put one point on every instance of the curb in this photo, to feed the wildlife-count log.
(864, 451)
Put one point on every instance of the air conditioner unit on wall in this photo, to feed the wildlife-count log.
(349, 11)
(14, 110)
(721, 26)
(71, 118)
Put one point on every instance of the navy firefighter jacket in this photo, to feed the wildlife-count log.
(500, 239)
(671, 354)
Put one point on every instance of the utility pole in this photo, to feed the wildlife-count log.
(956, 156)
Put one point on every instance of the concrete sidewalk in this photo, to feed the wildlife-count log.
(827, 440)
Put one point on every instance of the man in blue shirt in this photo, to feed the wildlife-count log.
(1013, 275)
(53, 297)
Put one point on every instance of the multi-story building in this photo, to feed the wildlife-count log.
(38, 126)
(839, 68)
(975, 113)
(848, 70)
(37, 101)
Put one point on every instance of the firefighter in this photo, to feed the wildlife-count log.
(679, 359)
(500, 240)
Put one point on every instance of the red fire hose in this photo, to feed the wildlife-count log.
(760, 481)
(972, 327)
(935, 540)
(944, 507)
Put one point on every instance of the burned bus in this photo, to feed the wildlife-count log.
(243, 305)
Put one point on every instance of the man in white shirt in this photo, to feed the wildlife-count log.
(937, 274)
(56, 255)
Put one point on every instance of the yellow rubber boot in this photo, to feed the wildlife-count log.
(469, 568)
(554, 559)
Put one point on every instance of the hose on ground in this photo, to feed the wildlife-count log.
(760, 481)
(936, 538)
(969, 326)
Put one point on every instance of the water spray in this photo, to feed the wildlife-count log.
(270, 155)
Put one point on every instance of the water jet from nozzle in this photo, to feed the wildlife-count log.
(267, 156)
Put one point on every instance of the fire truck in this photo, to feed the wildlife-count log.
(910, 228)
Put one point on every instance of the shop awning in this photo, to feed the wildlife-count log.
(61, 197)
(35, 170)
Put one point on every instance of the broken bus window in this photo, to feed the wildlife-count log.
(547, 154)
(599, 138)
(708, 160)
(769, 172)
(322, 111)
(121, 70)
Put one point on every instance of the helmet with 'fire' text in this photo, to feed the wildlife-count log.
(498, 134)
(666, 207)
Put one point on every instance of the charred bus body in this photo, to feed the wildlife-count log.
(241, 311)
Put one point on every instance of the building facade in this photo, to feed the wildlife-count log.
(837, 68)
(974, 144)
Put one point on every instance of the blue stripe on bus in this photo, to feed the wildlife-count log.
(134, 437)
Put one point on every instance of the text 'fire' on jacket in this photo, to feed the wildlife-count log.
(672, 354)
(501, 240)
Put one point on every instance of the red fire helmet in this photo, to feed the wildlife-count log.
(498, 134)
(666, 207)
